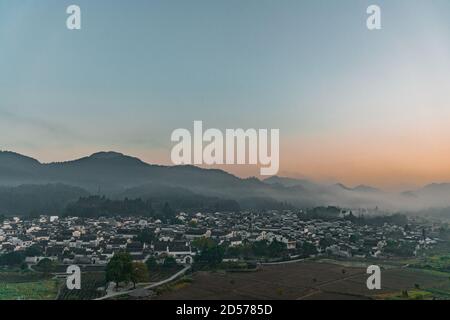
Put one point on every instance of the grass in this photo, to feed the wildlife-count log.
(440, 293)
(432, 272)
(162, 273)
(438, 265)
(412, 295)
(20, 276)
(26, 285)
(35, 290)
(180, 285)
(174, 286)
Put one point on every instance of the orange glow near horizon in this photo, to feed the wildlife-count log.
(392, 161)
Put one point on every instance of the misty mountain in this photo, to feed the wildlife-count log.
(436, 189)
(119, 176)
(360, 188)
(311, 186)
(178, 198)
(291, 182)
(17, 169)
(336, 190)
(364, 188)
(363, 196)
(435, 195)
(38, 199)
(111, 172)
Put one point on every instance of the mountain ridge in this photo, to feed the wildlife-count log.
(113, 173)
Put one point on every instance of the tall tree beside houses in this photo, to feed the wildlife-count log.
(139, 273)
(119, 268)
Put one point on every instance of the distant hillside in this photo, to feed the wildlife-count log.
(291, 182)
(17, 169)
(117, 175)
(112, 172)
(435, 195)
(49, 199)
(360, 188)
(179, 198)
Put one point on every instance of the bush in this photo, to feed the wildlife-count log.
(12, 259)
(46, 266)
(170, 262)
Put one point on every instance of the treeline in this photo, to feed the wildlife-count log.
(258, 250)
(198, 203)
(32, 200)
(334, 213)
(96, 206)
(265, 203)
(325, 213)
(17, 258)
(179, 198)
(397, 219)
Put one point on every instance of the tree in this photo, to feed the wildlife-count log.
(12, 259)
(33, 251)
(114, 271)
(235, 252)
(354, 238)
(170, 262)
(145, 236)
(259, 248)
(203, 243)
(192, 224)
(275, 249)
(167, 211)
(308, 249)
(399, 249)
(325, 243)
(139, 273)
(94, 206)
(151, 264)
(46, 266)
(210, 254)
(119, 268)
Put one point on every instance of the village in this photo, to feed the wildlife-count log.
(94, 241)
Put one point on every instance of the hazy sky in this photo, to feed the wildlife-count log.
(353, 105)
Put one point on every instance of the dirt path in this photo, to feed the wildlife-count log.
(151, 286)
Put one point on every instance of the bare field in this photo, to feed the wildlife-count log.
(303, 280)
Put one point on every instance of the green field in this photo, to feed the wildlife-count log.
(410, 295)
(437, 262)
(27, 286)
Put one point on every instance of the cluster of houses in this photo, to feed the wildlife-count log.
(93, 241)
(90, 241)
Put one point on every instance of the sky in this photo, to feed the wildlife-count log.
(352, 105)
